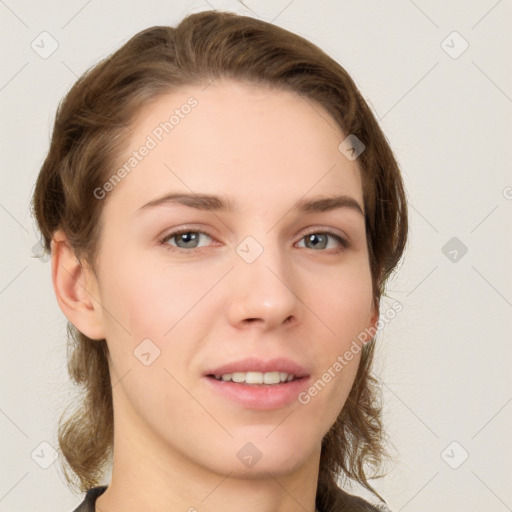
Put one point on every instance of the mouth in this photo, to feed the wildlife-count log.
(256, 378)
(258, 384)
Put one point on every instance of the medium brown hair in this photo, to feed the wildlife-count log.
(91, 129)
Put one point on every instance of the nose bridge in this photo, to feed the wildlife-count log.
(263, 280)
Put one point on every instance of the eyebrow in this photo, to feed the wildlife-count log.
(215, 203)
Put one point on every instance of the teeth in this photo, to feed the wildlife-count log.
(256, 377)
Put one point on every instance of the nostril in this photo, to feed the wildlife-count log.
(251, 320)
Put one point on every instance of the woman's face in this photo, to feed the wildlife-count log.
(263, 286)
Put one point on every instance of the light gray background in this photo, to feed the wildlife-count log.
(445, 359)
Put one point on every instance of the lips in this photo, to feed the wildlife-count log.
(257, 396)
(252, 364)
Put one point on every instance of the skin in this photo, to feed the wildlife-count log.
(176, 440)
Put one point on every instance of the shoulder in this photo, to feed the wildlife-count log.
(88, 505)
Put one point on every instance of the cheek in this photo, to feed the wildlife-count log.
(151, 330)
(150, 301)
(345, 304)
(344, 308)
(156, 313)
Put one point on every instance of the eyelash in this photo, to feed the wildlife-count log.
(343, 242)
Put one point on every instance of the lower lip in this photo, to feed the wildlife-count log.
(260, 396)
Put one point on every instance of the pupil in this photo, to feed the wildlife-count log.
(189, 235)
(313, 236)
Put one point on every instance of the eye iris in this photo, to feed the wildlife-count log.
(314, 236)
(188, 237)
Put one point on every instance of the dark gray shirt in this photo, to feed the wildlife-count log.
(352, 502)
(88, 505)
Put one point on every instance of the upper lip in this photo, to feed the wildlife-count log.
(253, 364)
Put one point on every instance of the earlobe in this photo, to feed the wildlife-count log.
(75, 288)
(372, 328)
(375, 320)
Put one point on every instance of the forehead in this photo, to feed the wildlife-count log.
(236, 139)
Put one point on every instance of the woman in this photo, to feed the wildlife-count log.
(223, 212)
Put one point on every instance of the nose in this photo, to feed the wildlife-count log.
(264, 292)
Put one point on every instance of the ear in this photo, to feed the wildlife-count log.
(76, 289)
(372, 326)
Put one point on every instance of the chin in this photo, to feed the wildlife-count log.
(254, 456)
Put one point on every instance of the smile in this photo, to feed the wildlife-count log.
(268, 378)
